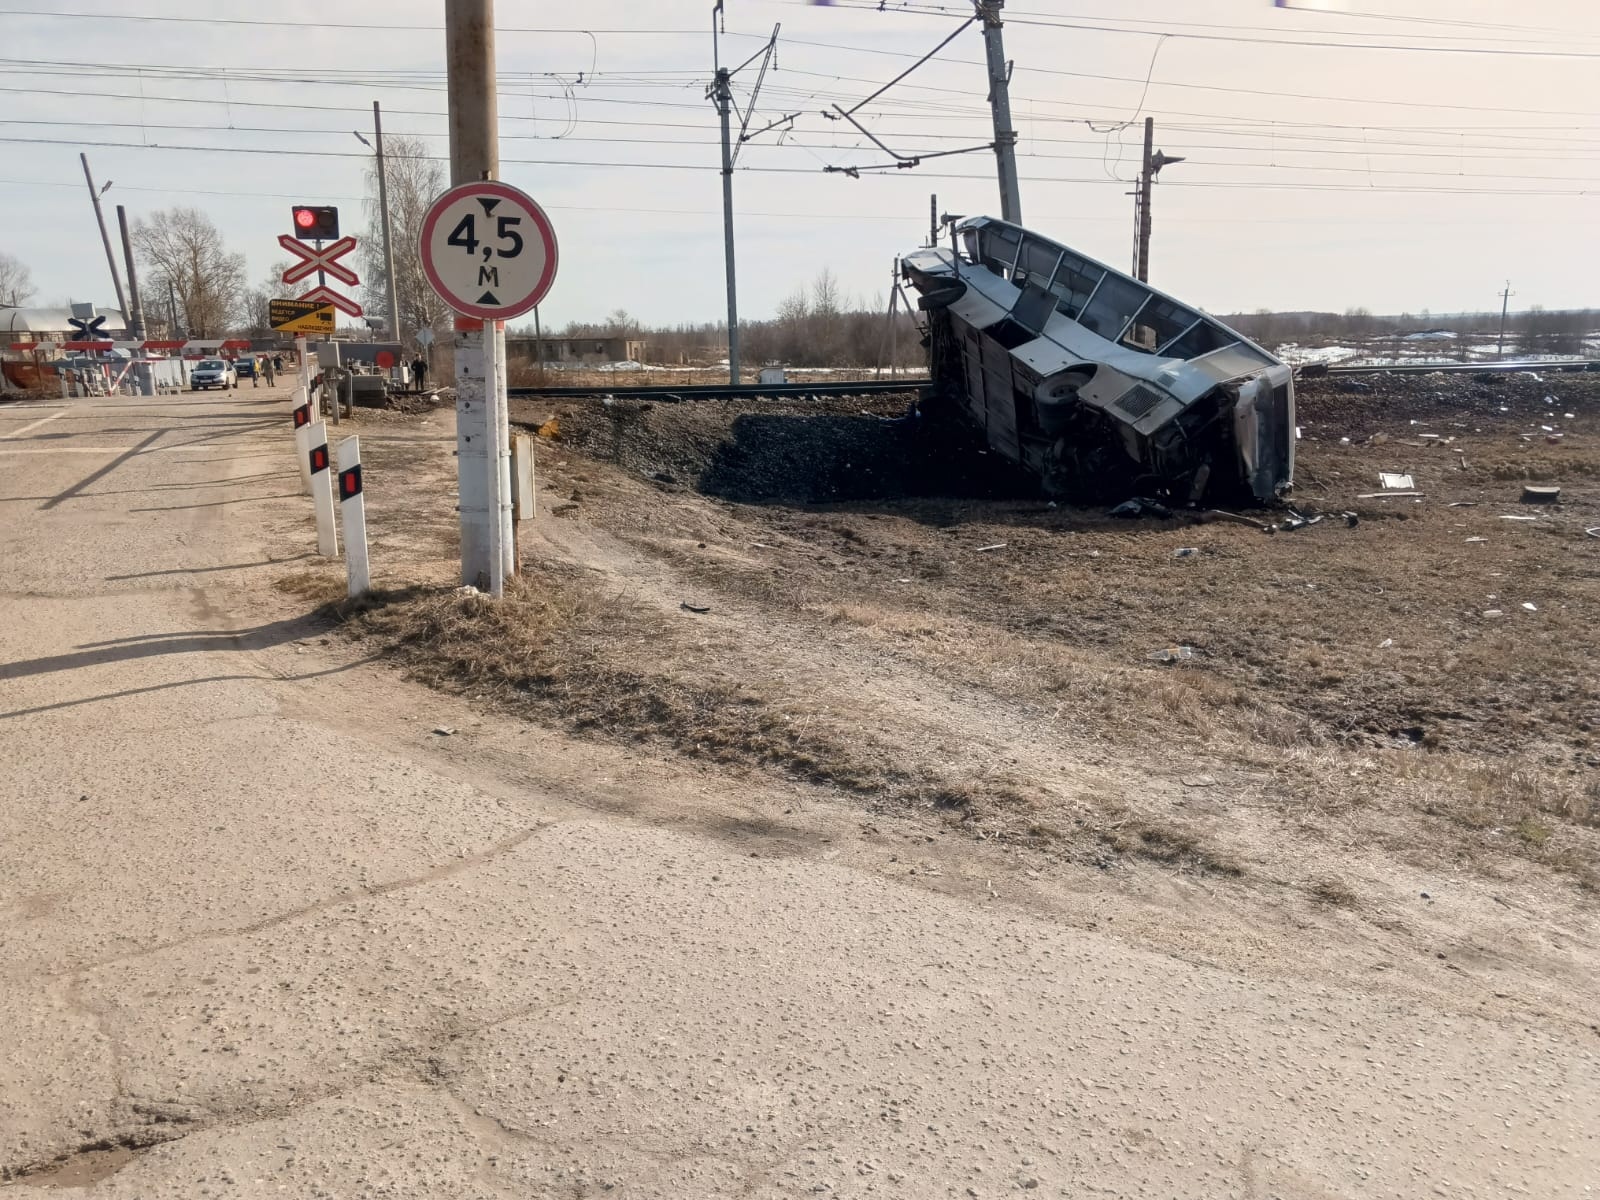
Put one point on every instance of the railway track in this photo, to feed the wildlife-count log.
(775, 391)
(1469, 368)
(727, 391)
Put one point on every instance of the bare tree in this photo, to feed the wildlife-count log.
(16, 281)
(252, 314)
(415, 180)
(182, 247)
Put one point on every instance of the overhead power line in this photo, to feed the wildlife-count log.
(660, 166)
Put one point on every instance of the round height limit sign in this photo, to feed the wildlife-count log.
(488, 250)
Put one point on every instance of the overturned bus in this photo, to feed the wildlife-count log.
(1097, 384)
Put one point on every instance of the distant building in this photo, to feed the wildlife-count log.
(576, 351)
(50, 324)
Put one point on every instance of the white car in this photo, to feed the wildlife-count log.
(213, 372)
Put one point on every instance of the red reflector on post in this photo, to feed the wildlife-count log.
(319, 458)
(302, 416)
(350, 482)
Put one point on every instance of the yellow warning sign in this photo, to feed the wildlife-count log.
(300, 316)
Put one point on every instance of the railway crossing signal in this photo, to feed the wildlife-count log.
(316, 222)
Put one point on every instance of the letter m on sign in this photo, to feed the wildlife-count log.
(489, 275)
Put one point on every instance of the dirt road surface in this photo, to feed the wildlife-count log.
(265, 932)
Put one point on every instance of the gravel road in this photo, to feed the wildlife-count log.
(264, 933)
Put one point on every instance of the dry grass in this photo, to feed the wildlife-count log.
(1334, 892)
(602, 665)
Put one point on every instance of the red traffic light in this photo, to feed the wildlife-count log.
(315, 222)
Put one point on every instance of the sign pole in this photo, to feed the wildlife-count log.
(474, 156)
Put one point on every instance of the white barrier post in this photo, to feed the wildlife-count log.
(353, 515)
(322, 489)
(524, 498)
(300, 414)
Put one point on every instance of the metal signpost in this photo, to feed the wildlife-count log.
(490, 253)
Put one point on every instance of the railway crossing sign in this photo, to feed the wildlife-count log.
(488, 250)
(314, 260)
(326, 295)
(300, 316)
(89, 328)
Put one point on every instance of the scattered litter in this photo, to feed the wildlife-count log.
(1237, 518)
(1394, 481)
(1172, 654)
(1429, 436)
(1570, 416)
(1385, 644)
(550, 429)
(1540, 494)
(468, 591)
(1185, 552)
(1477, 539)
(996, 546)
(1140, 506)
(1492, 613)
(902, 581)
(1504, 517)
(1530, 606)
(695, 608)
(443, 730)
(1548, 428)
(1389, 495)
(1463, 504)
(1594, 533)
(1200, 781)
(1554, 438)
(1296, 521)
(760, 546)
(1379, 439)
(1344, 441)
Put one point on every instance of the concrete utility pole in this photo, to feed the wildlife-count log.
(136, 330)
(1154, 160)
(388, 232)
(722, 93)
(1505, 307)
(105, 239)
(482, 463)
(1005, 137)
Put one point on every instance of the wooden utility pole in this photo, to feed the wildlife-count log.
(105, 238)
(1505, 307)
(483, 463)
(1005, 136)
(388, 230)
(1154, 160)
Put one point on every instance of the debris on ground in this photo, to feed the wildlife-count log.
(1141, 506)
(1172, 654)
(1539, 494)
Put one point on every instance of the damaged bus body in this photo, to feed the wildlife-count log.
(1097, 384)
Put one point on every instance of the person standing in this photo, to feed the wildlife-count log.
(267, 367)
(419, 372)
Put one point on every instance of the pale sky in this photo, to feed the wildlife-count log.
(1317, 176)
